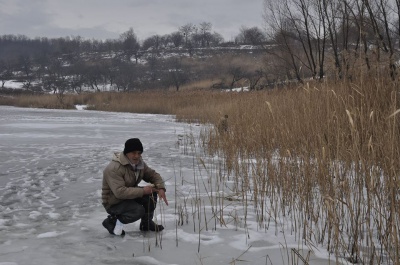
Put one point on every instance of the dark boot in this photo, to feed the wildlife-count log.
(109, 224)
(147, 224)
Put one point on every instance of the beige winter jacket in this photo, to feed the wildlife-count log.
(120, 181)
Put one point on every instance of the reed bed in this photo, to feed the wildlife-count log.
(326, 158)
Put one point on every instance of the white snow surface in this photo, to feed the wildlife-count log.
(50, 196)
(14, 84)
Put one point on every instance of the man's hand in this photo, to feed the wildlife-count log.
(161, 194)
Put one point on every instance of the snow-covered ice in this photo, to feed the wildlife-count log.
(50, 190)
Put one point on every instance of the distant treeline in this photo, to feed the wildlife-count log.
(75, 64)
(188, 36)
(125, 63)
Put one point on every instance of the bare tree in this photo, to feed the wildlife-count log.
(27, 69)
(330, 10)
(236, 73)
(282, 33)
(94, 75)
(154, 42)
(187, 30)
(309, 25)
(5, 72)
(251, 36)
(205, 33)
(178, 73)
(177, 38)
(127, 77)
(56, 79)
(216, 39)
(397, 19)
(379, 12)
(130, 45)
(254, 78)
(153, 64)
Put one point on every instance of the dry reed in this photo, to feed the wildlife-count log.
(325, 156)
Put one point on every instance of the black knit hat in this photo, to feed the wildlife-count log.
(133, 144)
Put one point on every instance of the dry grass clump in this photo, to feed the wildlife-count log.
(188, 105)
(191, 105)
(49, 101)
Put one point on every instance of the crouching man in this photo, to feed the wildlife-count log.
(123, 199)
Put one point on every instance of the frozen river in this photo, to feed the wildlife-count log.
(50, 186)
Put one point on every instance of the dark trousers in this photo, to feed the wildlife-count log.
(129, 211)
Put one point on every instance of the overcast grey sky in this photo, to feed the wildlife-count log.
(107, 19)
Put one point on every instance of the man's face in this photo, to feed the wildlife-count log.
(134, 157)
